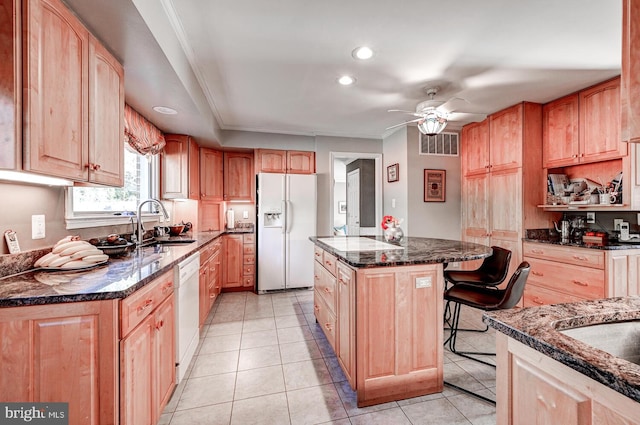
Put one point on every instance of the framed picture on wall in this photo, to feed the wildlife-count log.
(392, 173)
(434, 185)
(342, 207)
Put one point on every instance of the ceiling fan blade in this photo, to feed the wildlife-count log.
(405, 112)
(448, 106)
(459, 116)
(403, 123)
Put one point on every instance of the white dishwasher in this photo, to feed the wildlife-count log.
(186, 280)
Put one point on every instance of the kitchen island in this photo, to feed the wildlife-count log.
(573, 363)
(380, 306)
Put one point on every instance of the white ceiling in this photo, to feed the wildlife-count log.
(271, 66)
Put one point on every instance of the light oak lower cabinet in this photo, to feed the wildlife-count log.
(147, 352)
(62, 352)
(385, 328)
(535, 389)
(561, 274)
(239, 261)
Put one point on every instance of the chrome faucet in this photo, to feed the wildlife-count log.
(140, 234)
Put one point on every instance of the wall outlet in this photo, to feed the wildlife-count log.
(423, 282)
(37, 226)
(616, 223)
(591, 217)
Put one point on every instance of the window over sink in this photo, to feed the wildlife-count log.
(103, 206)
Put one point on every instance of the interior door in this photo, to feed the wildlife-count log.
(353, 203)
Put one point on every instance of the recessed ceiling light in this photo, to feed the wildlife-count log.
(165, 110)
(362, 53)
(346, 80)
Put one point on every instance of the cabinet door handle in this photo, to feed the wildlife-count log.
(148, 303)
(316, 308)
(537, 251)
(167, 287)
(341, 280)
(580, 258)
(327, 290)
(328, 327)
(535, 273)
(577, 282)
(159, 324)
(537, 300)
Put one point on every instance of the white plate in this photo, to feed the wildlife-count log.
(74, 269)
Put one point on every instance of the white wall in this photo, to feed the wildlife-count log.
(421, 219)
(433, 219)
(395, 152)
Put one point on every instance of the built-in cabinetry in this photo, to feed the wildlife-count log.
(502, 179)
(63, 352)
(211, 175)
(561, 274)
(574, 130)
(239, 177)
(210, 277)
(533, 388)
(630, 85)
(283, 161)
(239, 261)
(384, 326)
(73, 98)
(10, 84)
(180, 168)
(147, 352)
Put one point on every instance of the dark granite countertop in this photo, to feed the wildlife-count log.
(118, 278)
(538, 328)
(413, 251)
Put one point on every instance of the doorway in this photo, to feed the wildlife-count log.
(338, 195)
(353, 203)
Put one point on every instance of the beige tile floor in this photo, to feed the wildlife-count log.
(263, 360)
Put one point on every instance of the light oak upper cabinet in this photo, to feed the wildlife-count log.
(505, 136)
(475, 137)
(10, 85)
(583, 127)
(211, 175)
(281, 161)
(70, 85)
(55, 97)
(270, 161)
(560, 140)
(600, 122)
(239, 178)
(301, 162)
(180, 168)
(630, 84)
(106, 116)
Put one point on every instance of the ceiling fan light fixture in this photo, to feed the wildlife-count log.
(362, 53)
(433, 123)
(346, 80)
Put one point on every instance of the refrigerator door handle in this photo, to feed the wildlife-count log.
(289, 216)
(284, 216)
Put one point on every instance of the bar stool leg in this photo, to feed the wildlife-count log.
(451, 341)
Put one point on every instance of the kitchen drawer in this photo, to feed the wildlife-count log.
(205, 253)
(136, 307)
(329, 261)
(583, 282)
(317, 253)
(326, 319)
(325, 287)
(248, 259)
(248, 249)
(248, 281)
(570, 255)
(248, 270)
(248, 238)
(535, 296)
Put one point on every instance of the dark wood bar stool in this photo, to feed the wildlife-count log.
(492, 272)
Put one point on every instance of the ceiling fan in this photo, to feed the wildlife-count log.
(433, 115)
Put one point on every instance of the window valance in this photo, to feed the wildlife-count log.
(141, 134)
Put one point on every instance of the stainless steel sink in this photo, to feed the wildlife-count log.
(620, 339)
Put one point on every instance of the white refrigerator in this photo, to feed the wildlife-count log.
(286, 217)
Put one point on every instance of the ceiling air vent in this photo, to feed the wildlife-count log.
(440, 144)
